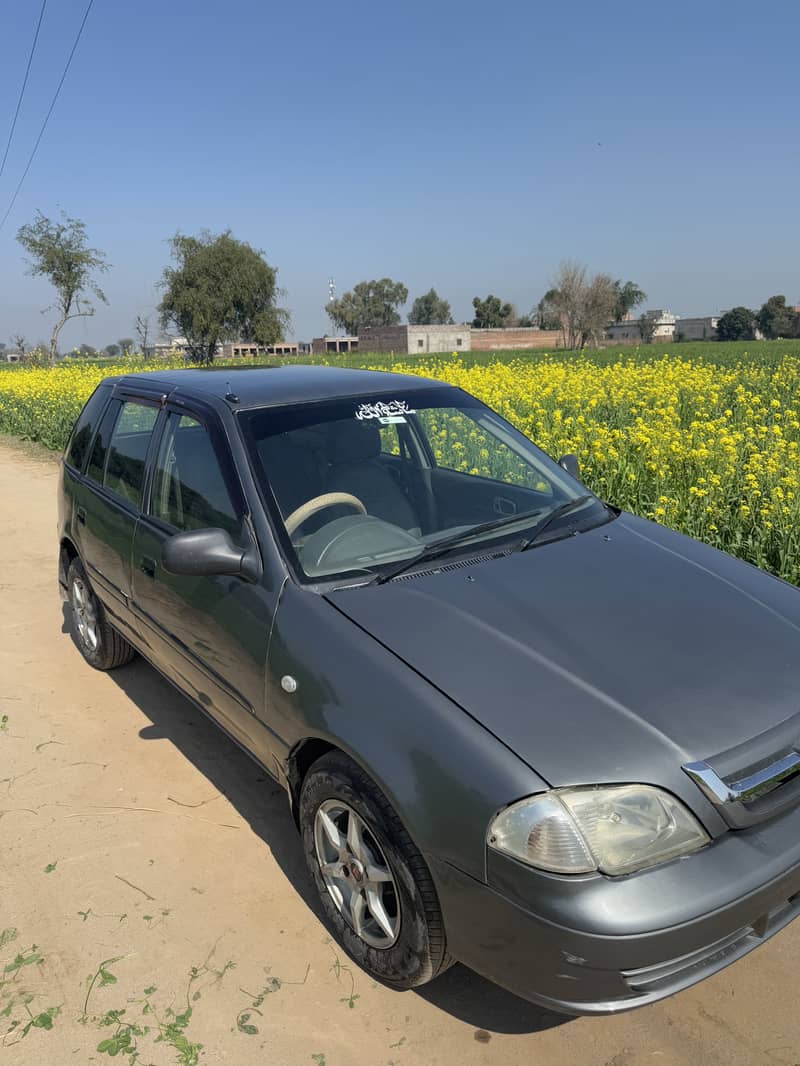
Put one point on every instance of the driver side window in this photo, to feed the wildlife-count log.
(189, 489)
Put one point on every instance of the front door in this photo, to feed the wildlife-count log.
(208, 634)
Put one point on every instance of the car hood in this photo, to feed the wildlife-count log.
(615, 655)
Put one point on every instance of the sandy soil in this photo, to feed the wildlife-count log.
(132, 830)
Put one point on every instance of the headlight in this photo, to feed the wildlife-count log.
(613, 829)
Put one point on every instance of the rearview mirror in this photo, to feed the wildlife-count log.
(570, 464)
(205, 552)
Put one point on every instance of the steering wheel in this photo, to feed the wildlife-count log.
(319, 503)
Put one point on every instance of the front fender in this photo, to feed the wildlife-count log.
(444, 774)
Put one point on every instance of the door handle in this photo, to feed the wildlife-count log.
(81, 515)
(148, 566)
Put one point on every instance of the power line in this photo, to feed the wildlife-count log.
(22, 90)
(47, 116)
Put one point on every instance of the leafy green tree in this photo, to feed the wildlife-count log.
(126, 345)
(738, 324)
(111, 350)
(86, 351)
(220, 289)
(430, 310)
(59, 251)
(629, 295)
(775, 319)
(491, 313)
(547, 314)
(371, 303)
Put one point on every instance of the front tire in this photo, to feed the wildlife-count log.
(99, 643)
(376, 891)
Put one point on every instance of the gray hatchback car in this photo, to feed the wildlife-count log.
(516, 726)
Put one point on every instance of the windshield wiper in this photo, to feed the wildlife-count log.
(547, 521)
(439, 547)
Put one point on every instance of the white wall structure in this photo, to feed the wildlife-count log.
(629, 331)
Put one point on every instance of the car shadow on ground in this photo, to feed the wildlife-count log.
(263, 805)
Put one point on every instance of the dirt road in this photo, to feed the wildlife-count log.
(132, 830)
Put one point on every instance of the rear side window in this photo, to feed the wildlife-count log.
(189, 488)
(120, 448)
(78, 446)
(127, 451)
(97, 460)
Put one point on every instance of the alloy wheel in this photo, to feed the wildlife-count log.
(356, 873)
(85, 615)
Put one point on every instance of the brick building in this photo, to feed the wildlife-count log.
(522, 339)
(415, 340)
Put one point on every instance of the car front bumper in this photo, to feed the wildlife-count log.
(614, 956)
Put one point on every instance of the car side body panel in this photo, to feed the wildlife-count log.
(443, 773)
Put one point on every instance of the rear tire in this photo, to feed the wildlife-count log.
(376, 891)
(100, 644)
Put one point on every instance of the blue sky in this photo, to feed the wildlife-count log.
(467, 146)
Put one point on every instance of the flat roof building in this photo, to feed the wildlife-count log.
(415, 340)
(697, 329)
(630, 332)
(326, 344)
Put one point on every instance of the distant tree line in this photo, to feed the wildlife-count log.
(221, 289)
(775, 319)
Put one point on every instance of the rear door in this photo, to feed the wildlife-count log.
(106, 505)
(208, 634)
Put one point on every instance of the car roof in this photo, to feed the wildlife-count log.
(273, 386)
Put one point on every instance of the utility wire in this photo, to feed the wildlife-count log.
(22, 90)
(47, 116)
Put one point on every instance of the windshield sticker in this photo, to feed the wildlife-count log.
(385, 411)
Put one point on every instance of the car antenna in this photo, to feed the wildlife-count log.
(230, 395)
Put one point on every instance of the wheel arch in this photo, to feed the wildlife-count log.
(300, 760)
(66, 553)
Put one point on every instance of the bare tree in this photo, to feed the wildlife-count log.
(599, 304)
(566, 296)
(583, 305)
(19, 342)
(142, 327)
(59, 252)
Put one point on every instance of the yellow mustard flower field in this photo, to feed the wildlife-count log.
(710, 450)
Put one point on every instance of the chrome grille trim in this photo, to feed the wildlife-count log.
(758, 784)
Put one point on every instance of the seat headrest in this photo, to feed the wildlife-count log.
(352, 441)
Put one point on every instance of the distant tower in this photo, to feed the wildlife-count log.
(332, 294)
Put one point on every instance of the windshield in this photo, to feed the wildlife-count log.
(359, 485)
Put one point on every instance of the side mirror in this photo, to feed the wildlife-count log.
(570, 464)
(204, 552)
